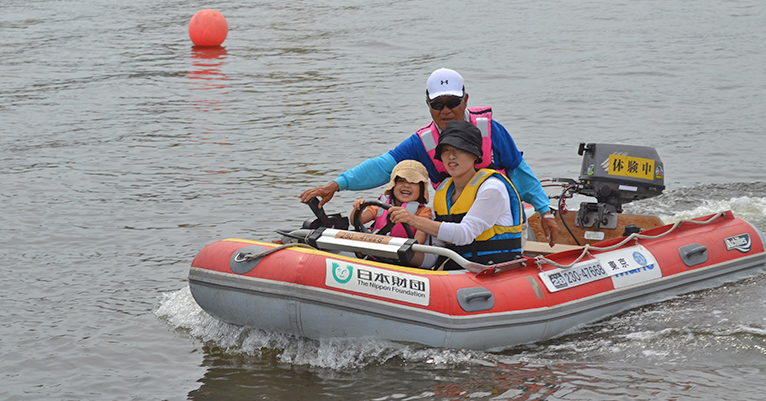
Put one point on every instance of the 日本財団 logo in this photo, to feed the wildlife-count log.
(342, 274)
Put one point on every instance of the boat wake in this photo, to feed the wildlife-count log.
(746, 200)
(181, 312)
(638, 336)
(687, 330)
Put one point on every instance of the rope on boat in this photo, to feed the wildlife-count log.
(250, 256)
(539, 260)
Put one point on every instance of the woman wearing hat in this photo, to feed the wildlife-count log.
(407, 189)
(478, 213)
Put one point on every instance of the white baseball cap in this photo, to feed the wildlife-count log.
(444, 82)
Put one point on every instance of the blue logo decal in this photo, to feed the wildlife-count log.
(739, 242)
(342, 274)
(639, 258)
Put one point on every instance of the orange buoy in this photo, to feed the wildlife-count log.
(208, 28)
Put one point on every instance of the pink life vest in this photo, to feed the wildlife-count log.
(481, 117)
(382, 218)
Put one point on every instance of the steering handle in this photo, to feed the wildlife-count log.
(361, 228)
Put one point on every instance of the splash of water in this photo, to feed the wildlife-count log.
(746, 200)
(181, 312)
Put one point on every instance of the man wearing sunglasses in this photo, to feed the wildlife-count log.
(447, 101)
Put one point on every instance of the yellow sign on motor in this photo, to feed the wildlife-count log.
(628, 166)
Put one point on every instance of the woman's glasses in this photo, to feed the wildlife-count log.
(453, 102)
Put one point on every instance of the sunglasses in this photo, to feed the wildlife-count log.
(439, 104)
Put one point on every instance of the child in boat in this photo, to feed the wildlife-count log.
(407, 188)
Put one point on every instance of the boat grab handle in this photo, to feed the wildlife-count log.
(475, 299)
(693, 254)
(478, 295)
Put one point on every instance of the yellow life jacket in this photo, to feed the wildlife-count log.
(496, 239)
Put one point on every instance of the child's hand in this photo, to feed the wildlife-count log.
(358, 203)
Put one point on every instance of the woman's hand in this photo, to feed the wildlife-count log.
(399, 214)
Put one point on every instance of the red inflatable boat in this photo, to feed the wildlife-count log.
(317, 284)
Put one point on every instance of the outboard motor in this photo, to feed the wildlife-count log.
(616, 174)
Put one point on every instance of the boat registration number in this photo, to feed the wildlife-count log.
(626, 266)
(582, 273)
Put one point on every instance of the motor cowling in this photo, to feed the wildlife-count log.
(616, 174)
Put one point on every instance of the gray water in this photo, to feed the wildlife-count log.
(124, 151)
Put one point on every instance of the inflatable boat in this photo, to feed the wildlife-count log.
(325, 280)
